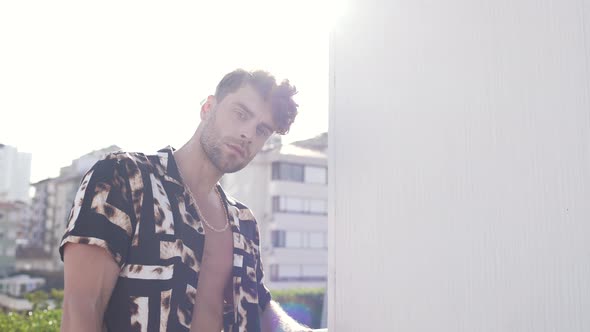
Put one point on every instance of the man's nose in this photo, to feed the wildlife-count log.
(246, 138)
(248, 133)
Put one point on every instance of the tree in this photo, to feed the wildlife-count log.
(39, 299)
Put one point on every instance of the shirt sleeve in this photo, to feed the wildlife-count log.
(101, 212)
(264, 295)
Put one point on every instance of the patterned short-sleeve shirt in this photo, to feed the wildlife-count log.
(136, 207)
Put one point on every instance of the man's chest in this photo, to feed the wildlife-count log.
(173, 257)
(201, 236)
(217, 253)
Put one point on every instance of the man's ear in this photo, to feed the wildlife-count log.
(207, 106)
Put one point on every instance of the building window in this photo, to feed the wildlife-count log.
(314, 272)
(274, 272)
(299, 173)
(294, 204)
(287, 172)
(318, 206)
(298, 272)
(278, 239)
(315, 174)
(293, 239)
(316, 240)
(298, 239)
(289, 204)
(289, 271)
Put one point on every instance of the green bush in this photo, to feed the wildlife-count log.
(57, 295)
(32, 321)
(39, 299)
(305, 305)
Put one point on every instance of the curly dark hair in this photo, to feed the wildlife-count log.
(280, 95)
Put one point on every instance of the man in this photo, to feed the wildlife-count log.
(153, 243)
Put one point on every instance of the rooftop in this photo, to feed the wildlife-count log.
(315, 147)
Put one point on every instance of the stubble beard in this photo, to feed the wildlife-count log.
(212, 146)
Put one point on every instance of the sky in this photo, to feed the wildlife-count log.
(80, 76)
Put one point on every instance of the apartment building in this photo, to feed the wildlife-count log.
(11, 213)
(286, 188)
(49, 210)
(15, 174)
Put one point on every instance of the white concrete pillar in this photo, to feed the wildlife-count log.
(460, 166)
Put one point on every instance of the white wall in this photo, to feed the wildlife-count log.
(460, 166)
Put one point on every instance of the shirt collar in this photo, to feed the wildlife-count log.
(168, 169)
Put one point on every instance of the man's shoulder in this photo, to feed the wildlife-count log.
(248, 224)
(133, 160)
(126, 166)
(231, 200)
(244, 212)
(121, 155)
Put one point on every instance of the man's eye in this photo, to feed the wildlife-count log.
(241, 114)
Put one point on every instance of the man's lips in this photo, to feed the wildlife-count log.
(237, 149)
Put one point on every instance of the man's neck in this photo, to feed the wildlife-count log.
(197, 171)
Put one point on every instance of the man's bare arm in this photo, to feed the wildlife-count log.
(90, 274)
(275, 319)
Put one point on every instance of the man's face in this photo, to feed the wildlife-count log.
(236, 128)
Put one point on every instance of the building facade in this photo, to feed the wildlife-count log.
(49, 210)
(15, 174)
(286, 188)
(11, 214)
(19, 285)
